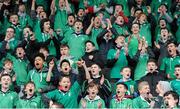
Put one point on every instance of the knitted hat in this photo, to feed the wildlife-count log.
(165, 85)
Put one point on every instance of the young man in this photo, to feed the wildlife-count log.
(143, 100)
(175, 84)
(8, 98)
(120, 100)
(168, 64)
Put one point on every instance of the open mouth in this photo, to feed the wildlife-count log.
(20, 53)
(128, 75)
(93, 93)
(170, 51)
(177, 74)
(6, 83)
(118, 92)
(151, 69)
(30, 90)
(148, 93)
(65, 69)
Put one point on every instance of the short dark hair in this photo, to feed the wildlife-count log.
(42, 23)
(122, 83)
(64, 45)
(4, 74)
(90, 42)
(178, 65)
(152, 60)
(65, 60)
(174, 94)
(40, 55)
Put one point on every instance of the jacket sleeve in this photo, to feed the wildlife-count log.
(106, 86)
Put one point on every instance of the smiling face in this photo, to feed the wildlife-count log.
(38, 63)
(5, 81)
(65, 84)
(135, 29)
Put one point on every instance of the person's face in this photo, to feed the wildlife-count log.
(151, 67)
(5, 81)
(65, 68)
(14, 19)
(171, 49)
(8, 67)
(120, 20)
(126, 72)
(65, 83)
(177, 72)
(118, 8)
(39, 9)
(163, 8)
(145, 90)
(162, 23)
(137, 13)
(135, 29)
(80, 13)
(61, 3)
(93, 91)
(71, 20)
(22, 8)
(64, 51)
(26, 31)
(46, 26)
(10, 33)
(95, 70)
(38, 63)
(139, 2)
(42, 15)
(120, 90)
(170, 100)
(97, 22)
(164, 34)
(20, 52)
(78, 26)
(89, 47)
(142, 18)
(30, 89)
(120, 41)
(44, 52)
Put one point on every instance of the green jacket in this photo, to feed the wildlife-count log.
(68, 99)
(76, 44)
(39, 78)
(120, 29)
(156, 3)
(124, 104)
(20, 67)
(8, 99)
(34, 102)
(25, 20)
(125, 6)
(168, 65)
(175, 85)
(60, 19)
(140, 102)
(92, 103)
(119, 64)
(94, 34)
(140, 67)
(132, 86)
(145, 31)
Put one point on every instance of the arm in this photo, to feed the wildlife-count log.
(88, 31)
(33, 12)
(68, 7)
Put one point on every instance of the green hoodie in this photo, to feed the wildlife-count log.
(119, 64)
(38, 77)
(33, 102)
(8, 99)
(125, 103)
(68, 99)
(168, 65)
(92, 103)
(175, 85)
(140, 102)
